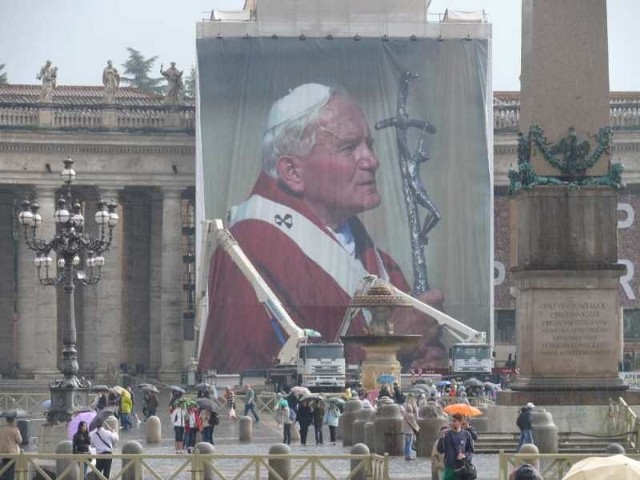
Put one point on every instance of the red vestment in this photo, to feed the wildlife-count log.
(239, 334)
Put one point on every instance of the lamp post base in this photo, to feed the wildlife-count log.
(68, 395)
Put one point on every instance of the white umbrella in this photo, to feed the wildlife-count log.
(614, 467)
(300, 390)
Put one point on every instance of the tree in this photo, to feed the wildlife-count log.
(136, 72)
(3, 75)
(190, 83)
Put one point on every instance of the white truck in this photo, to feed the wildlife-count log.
(302, 360)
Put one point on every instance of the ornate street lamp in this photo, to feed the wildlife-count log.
(70, 245)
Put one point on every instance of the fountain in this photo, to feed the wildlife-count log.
(379, 342)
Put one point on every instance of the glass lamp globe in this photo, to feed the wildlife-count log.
(25, 218)
(61, 262)
(47, 261)
(62, 215)
(102, 217)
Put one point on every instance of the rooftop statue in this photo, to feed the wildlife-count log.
(111, 82)
(174, 84)
(48, 75)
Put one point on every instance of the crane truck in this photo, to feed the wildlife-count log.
(301, 360)
(471, 356)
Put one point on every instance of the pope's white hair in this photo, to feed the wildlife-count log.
(293, 136)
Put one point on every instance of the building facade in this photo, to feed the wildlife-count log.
(140, 151)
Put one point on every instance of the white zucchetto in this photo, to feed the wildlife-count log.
(296, 103)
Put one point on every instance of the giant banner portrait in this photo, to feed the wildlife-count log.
(331, 159)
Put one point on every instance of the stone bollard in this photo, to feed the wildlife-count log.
(389, 437)
(352, 407)
(357, 429)
(153, 430)
(615, 449)
(280, 466)
(531, 449)
(245, 429)
(62, 464)
(133, 472)
(361, 473)
(545, 432)
(113, 423)
(430, 421)
(370, 434)
(205, 448)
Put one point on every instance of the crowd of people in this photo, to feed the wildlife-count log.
(451, 455)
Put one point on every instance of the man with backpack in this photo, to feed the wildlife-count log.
(524, 424)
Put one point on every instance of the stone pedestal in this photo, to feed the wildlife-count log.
(50, 436)
(388, 426)
(109, 118)
(351, 410)
(380, 355)
(568, 320)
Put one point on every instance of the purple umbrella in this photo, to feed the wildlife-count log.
(72, 427)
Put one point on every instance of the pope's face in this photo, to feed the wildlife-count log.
(338, 176)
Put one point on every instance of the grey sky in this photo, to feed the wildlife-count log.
(79, 36)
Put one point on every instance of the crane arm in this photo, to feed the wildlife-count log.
(459, 330)
(289, 352)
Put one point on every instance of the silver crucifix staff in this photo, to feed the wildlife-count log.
(414, 191)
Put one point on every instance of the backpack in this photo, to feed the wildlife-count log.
(520, 421)
(525, 472)
(292, 415)
(213, 419)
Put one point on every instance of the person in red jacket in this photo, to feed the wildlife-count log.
(300, 230)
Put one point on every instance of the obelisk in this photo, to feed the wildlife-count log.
(564, 250)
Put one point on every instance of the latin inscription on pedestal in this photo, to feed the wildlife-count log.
(576, 332)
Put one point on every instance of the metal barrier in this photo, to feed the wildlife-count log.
(31, 402)
(198, 466)
(553, 466)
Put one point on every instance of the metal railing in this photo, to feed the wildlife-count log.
(552, 466)
(198, 466)
(31, 402)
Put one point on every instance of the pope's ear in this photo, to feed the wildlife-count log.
(289, 170)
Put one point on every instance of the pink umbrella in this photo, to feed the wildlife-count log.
(72, 427)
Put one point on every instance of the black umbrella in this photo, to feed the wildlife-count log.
(100, 418)
(14, 413)
(203, 387)
(99, 388)
(176, 388)
(149, 388)
(205, 403)
(472, 382)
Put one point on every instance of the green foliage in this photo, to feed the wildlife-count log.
(3, 75)
(190, 83)
(136, 72)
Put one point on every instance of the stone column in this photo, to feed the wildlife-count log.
(10, 237)
(155, 281)
(88, 349)
(37, 304)
(564, 252)
(106, 298)
(171, 336)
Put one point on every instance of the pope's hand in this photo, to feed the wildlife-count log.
(429, 353)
